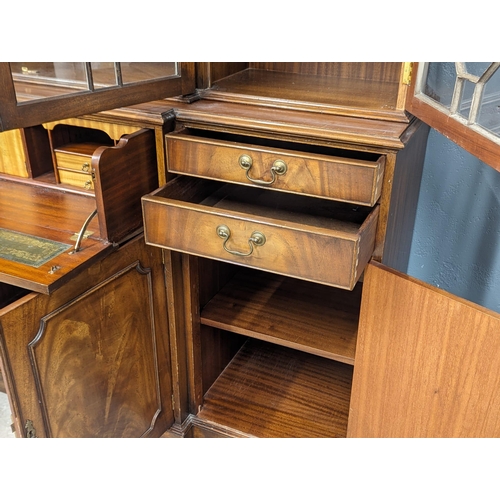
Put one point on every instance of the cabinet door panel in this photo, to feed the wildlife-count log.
(92, 359)
(427, 363)
(96, 374)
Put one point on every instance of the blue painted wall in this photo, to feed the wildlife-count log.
(456, 242)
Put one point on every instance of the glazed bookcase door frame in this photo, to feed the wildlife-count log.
(19, 115)
(466, 133)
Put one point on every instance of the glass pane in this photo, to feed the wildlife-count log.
(443, 79)
(138, 72)
(477, 69)
(489, 115)
(103, 74)
(440, 82)
(54, 79)
(466, 100)
(60, 78)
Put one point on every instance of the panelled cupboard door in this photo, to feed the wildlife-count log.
(34, 93)
(427, 362)
(92, 359)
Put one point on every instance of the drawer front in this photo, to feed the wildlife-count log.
(319, 175)
(76, 156)
(332, 253)
(78, 163)
(77, 179)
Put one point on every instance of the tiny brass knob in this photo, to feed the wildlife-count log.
(245, 161)
(279, 166)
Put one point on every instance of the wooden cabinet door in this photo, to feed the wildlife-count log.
(92, 359)
(427, 362)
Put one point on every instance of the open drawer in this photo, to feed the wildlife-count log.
(353, 177)
(308, 238)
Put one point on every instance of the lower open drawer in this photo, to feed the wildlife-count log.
(312, 239)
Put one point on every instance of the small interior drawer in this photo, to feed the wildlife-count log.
(76, 156)
(348, 176)
(313, 239)
(77, 179)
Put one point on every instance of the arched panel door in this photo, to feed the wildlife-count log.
(92, 359)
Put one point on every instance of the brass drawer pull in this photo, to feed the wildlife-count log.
(86, 167)
(279, 168)
(256, 239)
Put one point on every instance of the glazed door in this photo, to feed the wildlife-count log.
(461, 101)
(427, 362)
(34, 93)
(92, 359)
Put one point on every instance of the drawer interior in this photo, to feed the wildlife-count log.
(318, 240)
(269, 205)
(267, 142)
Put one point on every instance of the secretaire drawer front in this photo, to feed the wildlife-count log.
(345, 179)
(77, 157)
(262, 229)
(77, 179)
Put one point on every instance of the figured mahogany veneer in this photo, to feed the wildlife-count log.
(2, 383)
(92, 359)
(311, 171)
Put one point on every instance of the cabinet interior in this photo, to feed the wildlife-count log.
(42, 148)
(59, 188)
(10, 293)
(353, 89)
(263, 333)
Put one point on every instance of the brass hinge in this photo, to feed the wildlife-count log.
(407, 72)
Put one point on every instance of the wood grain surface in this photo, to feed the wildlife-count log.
(350, 179)
(306, 316)
(427, 362)
(272, 391)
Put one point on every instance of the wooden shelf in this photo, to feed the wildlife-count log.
(310, 395)
(313, 318)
